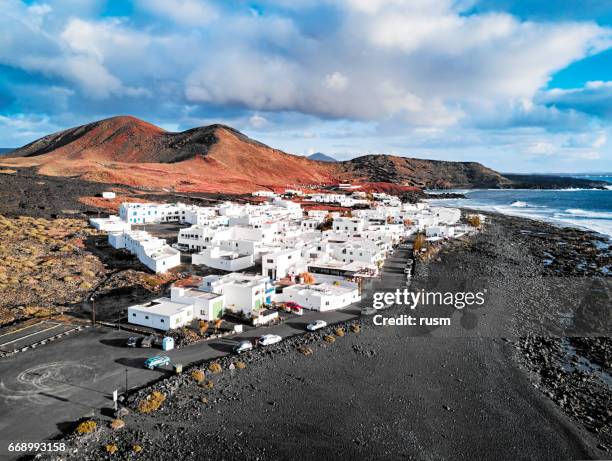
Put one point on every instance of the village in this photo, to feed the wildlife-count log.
(271, 254)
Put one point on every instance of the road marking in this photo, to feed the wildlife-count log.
(46, 383)
(24, 328)
(31, 334)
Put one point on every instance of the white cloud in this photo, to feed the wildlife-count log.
(184, 12)
(336, 81)
(368, 68)
(257, 121)
(542, 148)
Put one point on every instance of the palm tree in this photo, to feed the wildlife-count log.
(218, 323)
(203, 324)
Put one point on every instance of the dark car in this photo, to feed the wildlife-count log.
(132, 341)
(147, 341)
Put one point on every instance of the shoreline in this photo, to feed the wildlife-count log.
(432, 378)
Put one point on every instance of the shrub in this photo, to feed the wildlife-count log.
(152, 281)
(152, 402)
(474, 220)
(355, 328)
(198, 376)
(117, 424)
(304, 350)
(419, 242)
(329, 339)
(136, 448)
(240, 365)
(339, 332)
(208, 384)
(203, 400)
(308, 278)
(214, 367)
(86, 427)
(203, 324)
(111, 448)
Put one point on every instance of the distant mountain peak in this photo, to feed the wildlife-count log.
(321, 157)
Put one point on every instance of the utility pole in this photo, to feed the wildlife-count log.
(93, 311)
(126, 382)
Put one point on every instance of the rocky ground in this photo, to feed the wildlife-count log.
(51, 261)
(52, 266)
(500, 383)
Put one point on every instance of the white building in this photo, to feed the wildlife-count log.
(322, 296)
(153, 252)
(263, 193)
(162, 314)
(243, 293)
(226, 260)
(206, 305)
(349, 225)
(440, 232)
(111, 224)
(108, 195)
(282, 263)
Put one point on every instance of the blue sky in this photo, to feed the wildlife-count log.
(517, 85)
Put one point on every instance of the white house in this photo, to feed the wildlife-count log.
(162, 314)
(348, 225)
(111, 224)
(440, 232)
(108, 195)
(226, 260)
(322, 296)
(279, 264)
(243, 293)
(263, 193)
(206, 305)
(153, 252)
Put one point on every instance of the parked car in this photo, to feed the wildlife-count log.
(293, 306)
(317, 324)
(147, 341)
(132, 341)
(267, 340)
(243, 346)
(157, 361)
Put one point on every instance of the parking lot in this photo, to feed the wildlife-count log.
(40, 332)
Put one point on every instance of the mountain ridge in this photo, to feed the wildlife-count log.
(127, 150)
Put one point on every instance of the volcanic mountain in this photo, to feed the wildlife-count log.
(217, 158)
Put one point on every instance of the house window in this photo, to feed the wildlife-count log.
(161, 320)
(146, 317)
(133, 314)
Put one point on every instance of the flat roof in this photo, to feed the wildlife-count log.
(323, 289)
(197, 293)
(161, 306)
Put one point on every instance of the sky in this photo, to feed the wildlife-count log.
(520, 86)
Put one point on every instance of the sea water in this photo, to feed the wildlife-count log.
(582, 208)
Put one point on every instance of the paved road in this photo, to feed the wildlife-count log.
(75, 377)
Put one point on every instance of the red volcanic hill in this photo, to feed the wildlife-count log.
(217, 158)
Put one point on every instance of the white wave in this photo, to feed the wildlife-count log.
(589, 214)
(519, 204)
(551, 216)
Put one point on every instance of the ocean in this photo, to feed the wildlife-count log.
(582, 208)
